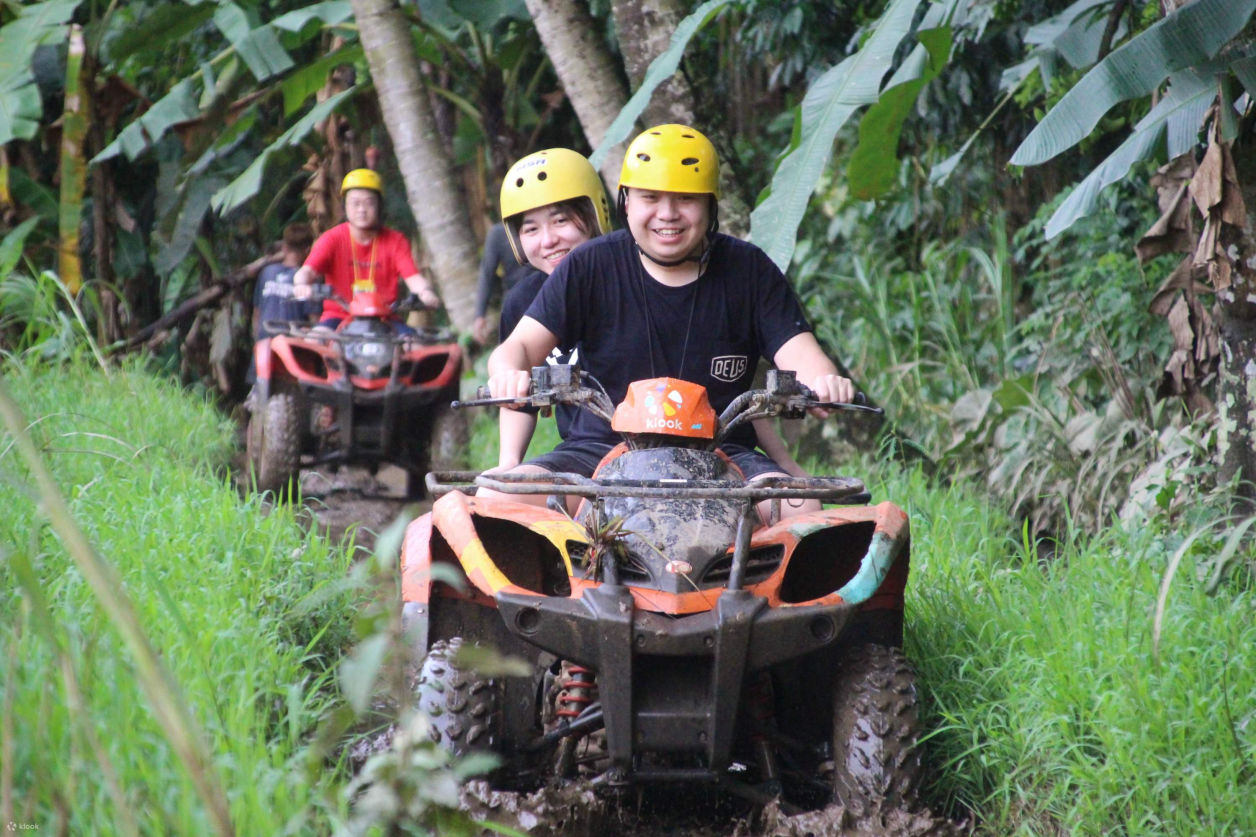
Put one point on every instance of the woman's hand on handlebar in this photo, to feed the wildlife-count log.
(512, 383)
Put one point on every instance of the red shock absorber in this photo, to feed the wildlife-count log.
(577, 690)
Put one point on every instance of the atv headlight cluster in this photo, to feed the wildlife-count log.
(369, 356)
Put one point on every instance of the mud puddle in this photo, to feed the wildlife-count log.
(353, 502)
(575, 809)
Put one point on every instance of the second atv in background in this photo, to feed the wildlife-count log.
(363, 394)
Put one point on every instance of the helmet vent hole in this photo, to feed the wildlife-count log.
(689, 161)
(541, 176)
(643, 157)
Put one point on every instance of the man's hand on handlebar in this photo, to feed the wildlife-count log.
(428, 297)
(831, 389)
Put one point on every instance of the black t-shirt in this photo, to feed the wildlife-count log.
(630, 327)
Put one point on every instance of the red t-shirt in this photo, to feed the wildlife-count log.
(349, 266)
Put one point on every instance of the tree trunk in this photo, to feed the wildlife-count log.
(645, 29)
(73, 165)
(430, 180)
(1236, 322)
(586, 70)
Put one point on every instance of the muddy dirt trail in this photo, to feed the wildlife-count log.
(574, 810)
(352, 501)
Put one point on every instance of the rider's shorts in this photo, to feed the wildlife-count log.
(573, 457)
(582, 457)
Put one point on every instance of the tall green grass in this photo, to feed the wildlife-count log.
(245, 611)
(1049, 709)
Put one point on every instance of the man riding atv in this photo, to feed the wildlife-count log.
(669, 296)
(362, 254)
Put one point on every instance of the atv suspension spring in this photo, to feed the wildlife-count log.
(577, 691)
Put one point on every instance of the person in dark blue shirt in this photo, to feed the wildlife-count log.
(273, 299)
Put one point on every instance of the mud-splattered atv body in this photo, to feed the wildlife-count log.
(672, 637)
(361, 395)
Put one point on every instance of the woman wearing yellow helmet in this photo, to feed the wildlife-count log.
(670, 295)
(363, 254)
(551, 202)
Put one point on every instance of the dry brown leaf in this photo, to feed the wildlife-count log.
(1172, 232)
(1184, 277)
(1206, 185)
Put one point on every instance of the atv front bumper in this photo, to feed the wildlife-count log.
(666, 683)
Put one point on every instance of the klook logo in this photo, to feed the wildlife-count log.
(662, 406)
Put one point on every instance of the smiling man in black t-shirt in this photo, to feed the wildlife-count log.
(669, 296)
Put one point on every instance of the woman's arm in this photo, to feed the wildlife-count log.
(514, 431)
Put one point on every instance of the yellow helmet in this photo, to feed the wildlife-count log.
(546, 177)
(362, 179)
(671, 158)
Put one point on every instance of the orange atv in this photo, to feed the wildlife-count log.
(672, 635)
(363, 394)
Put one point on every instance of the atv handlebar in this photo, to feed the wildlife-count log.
(781, 396)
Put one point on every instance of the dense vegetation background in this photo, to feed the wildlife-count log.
(1059, 344)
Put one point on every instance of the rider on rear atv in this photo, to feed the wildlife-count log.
(669, 296)
(362, 254)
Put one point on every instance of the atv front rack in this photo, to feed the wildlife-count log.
(423, 335)
(846, 490)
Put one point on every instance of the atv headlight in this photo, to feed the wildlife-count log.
(370, 356)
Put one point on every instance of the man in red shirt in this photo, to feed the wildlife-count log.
(362, 254)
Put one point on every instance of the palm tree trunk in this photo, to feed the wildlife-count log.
(430, 180)
(586, 70)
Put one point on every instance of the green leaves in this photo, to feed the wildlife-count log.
(20, 106)
(1190, 95)
(829, 103)
(247, 184)
(873, 167)
(661, 69)
(1191, 35)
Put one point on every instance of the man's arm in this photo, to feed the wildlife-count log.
(421, 287)
(802, 354)
(510, 364)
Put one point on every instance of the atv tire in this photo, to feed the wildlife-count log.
(450, 438)
(462, 708)
(875, 731)
(273, 442)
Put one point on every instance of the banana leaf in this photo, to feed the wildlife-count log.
(829, 103)
(1189, 36)
(1191, 94)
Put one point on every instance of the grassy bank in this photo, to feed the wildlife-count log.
(1052, 708)
(239, 605)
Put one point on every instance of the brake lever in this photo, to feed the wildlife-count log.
(843, 405)
(484, 398)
